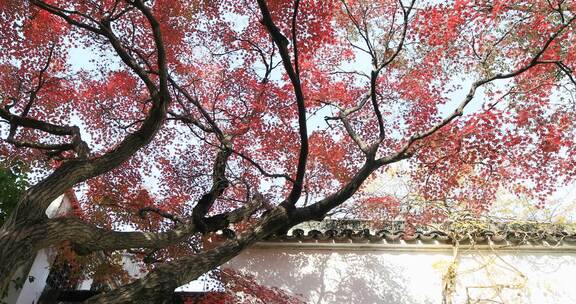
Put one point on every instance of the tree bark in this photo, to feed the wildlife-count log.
(17, 249)
(158, 286)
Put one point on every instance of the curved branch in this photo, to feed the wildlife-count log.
(163, 279)
(219, 184)
(73, 172)
(87, 238)
(282, 44)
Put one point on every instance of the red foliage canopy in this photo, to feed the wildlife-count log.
(162, 113)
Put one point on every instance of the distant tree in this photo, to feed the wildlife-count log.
(13, 183)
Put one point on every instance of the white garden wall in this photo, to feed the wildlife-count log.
(403, 273)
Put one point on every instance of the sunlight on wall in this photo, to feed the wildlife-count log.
(392, 276)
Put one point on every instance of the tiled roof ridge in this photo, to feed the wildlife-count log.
(425, 236)
(516, 232)
(471, 232)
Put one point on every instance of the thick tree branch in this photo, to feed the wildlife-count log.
(76, 144)
(87, 238)
(282, 44)
(377, 112)
(219, 183)
(40, 146)
(32, 123)
(70, 173)
(161, 282)
(221, 221)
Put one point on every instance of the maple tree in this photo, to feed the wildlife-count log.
(194, 116)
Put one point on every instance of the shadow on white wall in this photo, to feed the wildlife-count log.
(386, 277)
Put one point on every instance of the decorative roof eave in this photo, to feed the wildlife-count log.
(386, 238)
(417, 246)
(349, 234)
